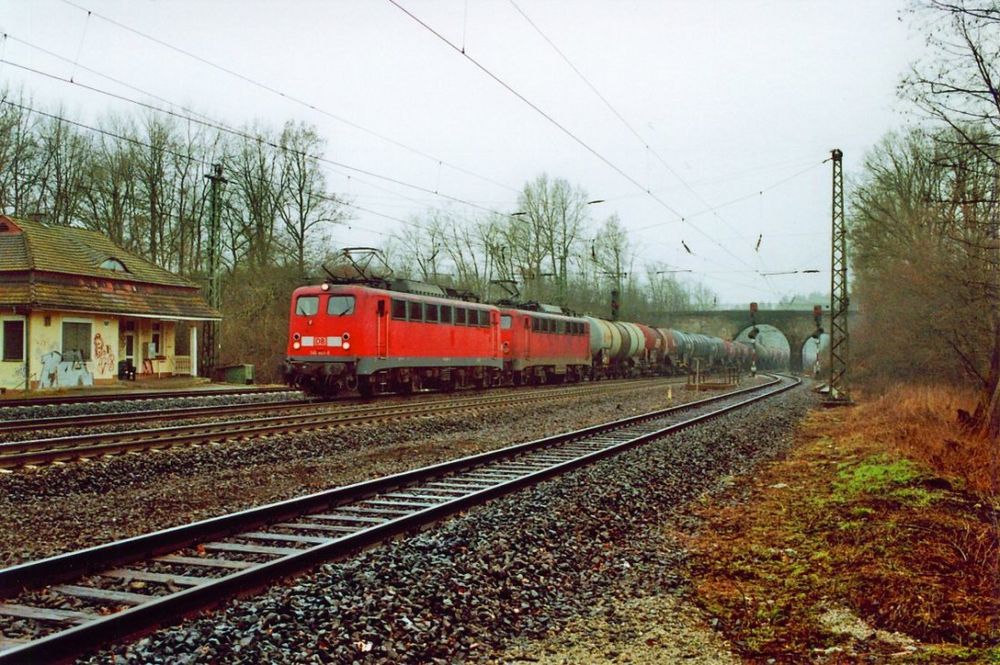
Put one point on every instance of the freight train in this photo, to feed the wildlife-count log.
(404, 336)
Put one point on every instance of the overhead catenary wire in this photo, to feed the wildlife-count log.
(212, 124)
(197, 160)
(559, 125)
(292, 98)
(649, 149)
(534, 107)
(738, 199)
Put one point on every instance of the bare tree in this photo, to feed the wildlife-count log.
(306, 206)
(959, 87)
(61, 172)
(20, 154)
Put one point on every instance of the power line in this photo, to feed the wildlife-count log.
(179, 155)
(557, 124)
(759, 192)
(534, 107)
(628, 126)
(291, 98)
(212, 124)
(159, 98)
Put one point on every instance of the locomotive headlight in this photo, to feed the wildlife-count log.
(347, 345)
(296, 345)
(346, 336)
(325, 287)
(296, 336)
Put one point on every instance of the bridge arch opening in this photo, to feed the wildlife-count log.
(813, 351)
(767, 336)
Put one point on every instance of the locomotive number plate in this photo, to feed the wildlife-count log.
(322, 341)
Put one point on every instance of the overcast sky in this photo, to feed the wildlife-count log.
(735, 98)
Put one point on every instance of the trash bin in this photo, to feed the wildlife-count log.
(242, 374)
(126, 370)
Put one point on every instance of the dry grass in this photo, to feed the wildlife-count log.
(921, 423)
(848, 527)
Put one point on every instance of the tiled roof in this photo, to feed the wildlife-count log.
(75, 251)
(13, 252)
(182, 303)
(14, 294)
(57, 267)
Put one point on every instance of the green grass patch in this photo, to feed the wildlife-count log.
(879, 476)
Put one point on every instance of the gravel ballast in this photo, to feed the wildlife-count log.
(84, 504)
(83, 409)
(493, 585)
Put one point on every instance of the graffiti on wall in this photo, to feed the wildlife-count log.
(104, 356)
(59, 373)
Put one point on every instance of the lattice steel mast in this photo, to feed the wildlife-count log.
(210, 355)
(839, 298)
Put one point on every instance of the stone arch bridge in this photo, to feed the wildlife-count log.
(797, 325)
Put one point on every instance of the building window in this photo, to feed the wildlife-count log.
(114, 264)
(13, 341)
(76, 339)
(154, 348)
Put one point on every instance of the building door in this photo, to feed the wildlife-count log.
(128, 343)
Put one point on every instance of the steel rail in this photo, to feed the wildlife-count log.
(362, 515)
(61, 449)
(75, 420)
(55, 400)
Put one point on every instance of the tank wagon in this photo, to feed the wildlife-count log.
(403, 336)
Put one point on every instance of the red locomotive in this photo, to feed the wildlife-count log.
(346, 337)
(543, 347)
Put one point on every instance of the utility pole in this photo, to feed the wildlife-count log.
(839, 298)
(210, 348)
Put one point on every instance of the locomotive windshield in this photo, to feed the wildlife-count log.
(340, 305)
(505, 321)
(307, 305)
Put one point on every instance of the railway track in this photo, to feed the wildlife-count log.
(81, 600)
(15, 402)
(290, 417)
(187, 412)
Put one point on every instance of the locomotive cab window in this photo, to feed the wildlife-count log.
(446, 313)
(416, 311)
(534, 324)
(506, 321)
(398, 309)
(340, 305)
(460, 316)
(430, 313)
(307, 305)
(484, 318)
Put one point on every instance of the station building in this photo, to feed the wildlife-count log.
(78, 310)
